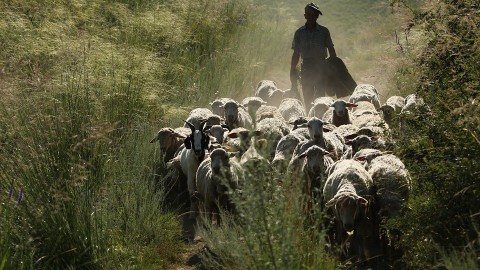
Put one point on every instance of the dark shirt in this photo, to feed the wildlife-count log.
(312, 44)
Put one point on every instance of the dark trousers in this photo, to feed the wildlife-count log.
(313, 81)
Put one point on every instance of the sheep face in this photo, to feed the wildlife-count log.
(359, 143)
(340, 107)
(315, 128)
(198, 141)
(219, 159)
(314, 159)
(231, 113)
(217, 131)
(348, 209)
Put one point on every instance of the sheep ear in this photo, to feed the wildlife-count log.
(362, 201)
(188, 143)
(302, 125)
(361, 158)
(330, 203)
(351, 136)
(154, 139)
(348, 142)
(326, 129)
(192, 127)
(374, 138)
(233, 135)
(351, 105)
(225, 126)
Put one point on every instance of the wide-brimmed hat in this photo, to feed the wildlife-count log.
(314, 6)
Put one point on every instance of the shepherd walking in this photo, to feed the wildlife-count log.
(311, 42)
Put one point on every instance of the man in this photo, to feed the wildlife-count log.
(311, 43)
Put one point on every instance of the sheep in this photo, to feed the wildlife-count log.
(272, 130)
(315, 129)
(275, 97)
(239, 139)
(363, 107)
(214, 120)
(169, 140)
(345, 132)
(215, 176)
(252, 104)
(391, 108)
(236, 115)
(328, 115)
(313, 168)
(197, 116)
(320, 106)
(190, 157)
(264, 89)
(268, 112)
(365, 92)
(413, 103)
(300, 129)
(340, 114)
(392, 187)
(346, 193)
(217, 105)
(357, 143)
(291, 109)
(217, 131)
(284, 150)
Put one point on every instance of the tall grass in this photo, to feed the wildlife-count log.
(88, 84)
(271, 229)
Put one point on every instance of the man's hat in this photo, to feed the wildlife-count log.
(315, 7)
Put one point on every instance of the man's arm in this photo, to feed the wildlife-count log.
(293, 66)
(331, 51)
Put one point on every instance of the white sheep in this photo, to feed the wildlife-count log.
(197, 116)
(291, 109)
(365, 92)
(215, 176)
(218, 132)
(272, 129)
(236, 115)
(264, 89)
(346, 193)
(217, 105)
(267, 111)
(284, 150)
(391, 108)
(252, 104)
(313, 169)
(320, 106)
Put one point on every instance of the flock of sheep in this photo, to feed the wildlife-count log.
(337, 149)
